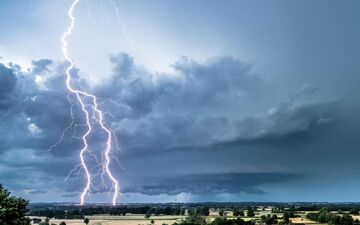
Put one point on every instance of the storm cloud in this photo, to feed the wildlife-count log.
(195, 110)
(209, 183)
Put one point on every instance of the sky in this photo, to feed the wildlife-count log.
(209, 100)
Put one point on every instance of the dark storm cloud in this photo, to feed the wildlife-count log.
(202, 104)
(209, 183)
(40, 108)
(7, 87)
(285, 120)
(36, 114)
(193, 86)
(199, 106)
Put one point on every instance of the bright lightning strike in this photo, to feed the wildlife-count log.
(87, 108)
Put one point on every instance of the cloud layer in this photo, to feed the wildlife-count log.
(200, 110)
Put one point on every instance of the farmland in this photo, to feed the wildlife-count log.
(209, 213)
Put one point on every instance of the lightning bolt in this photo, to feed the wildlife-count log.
(88, 109)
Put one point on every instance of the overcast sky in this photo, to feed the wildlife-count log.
(210, 100)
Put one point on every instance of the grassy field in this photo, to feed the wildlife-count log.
(122, 220)
(302, 220)
(115, 222)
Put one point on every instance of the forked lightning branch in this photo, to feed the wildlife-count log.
(90, 110)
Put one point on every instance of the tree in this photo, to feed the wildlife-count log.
(312, 216)
(354, 211)
(286, 217)
(346, 220)
(236, 212)
(86, 220)
(182, 212)
(191, 211)
(12, 209)
(148, 214)
(204, 211)
(221, 212)
(157, 211)
(241, 213)
(194, 219)
(250, 212)
(222, 221)
(62, 223)
(225, 221)
(152, 221)
(167, 210)
(269, 219)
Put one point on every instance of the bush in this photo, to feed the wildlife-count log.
(194, 219)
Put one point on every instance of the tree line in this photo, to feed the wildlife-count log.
(325, 216)
(80, 213)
